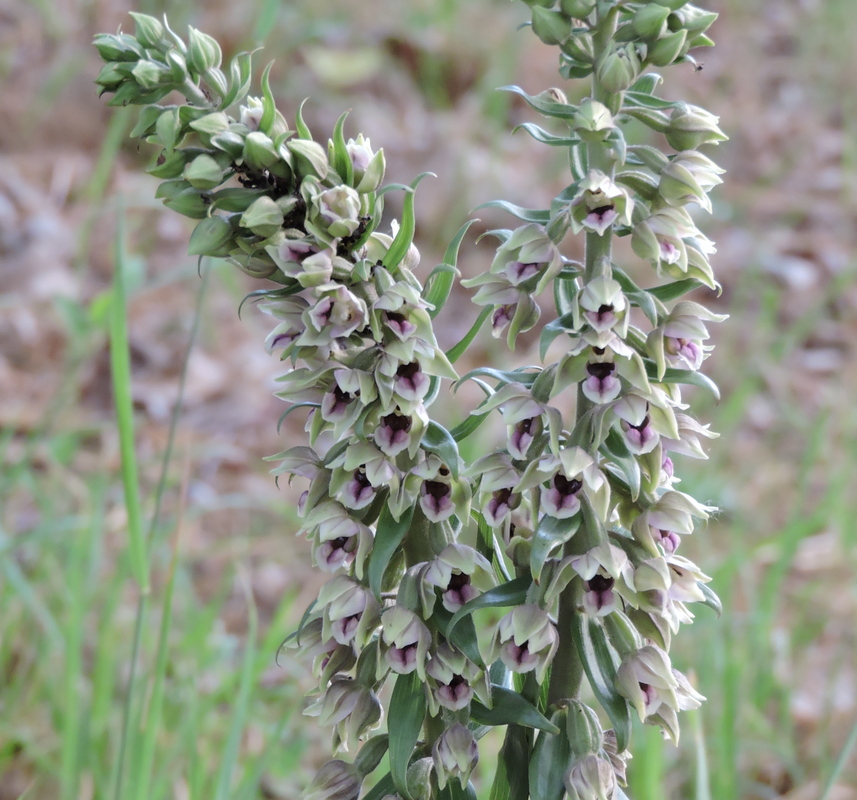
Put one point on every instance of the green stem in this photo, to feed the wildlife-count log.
(195, 95)
(567, 674)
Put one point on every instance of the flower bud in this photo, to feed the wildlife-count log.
(550, 26)
(203, 172)
(259, 151)
(455, 754)
(667, 49)
(118, 47)
(650, 21)
(582, 728)
(691, 127)
(309, 157)
(577, 9)
(368, 166)
(263, 217)
(692, 19)
(593, 120)
(591, 778)
(150, 75)
(148, 30)
(336, 780)
(203, 52)
(617, 69)
(209, 236)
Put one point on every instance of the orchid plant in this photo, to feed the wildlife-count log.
(568, 530)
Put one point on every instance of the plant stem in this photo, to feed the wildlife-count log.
(567, 674)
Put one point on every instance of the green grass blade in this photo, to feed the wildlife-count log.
(120, 363)
(239, 713)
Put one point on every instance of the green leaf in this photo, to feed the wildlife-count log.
(439, 441)
(341, 160)
(556, 327)
(565, 291)
(670, 291)
(645, 100)
(294, 408)
(209, 235)
(371, 753)
(511, 779)
(647, 83)
(388, 537)
(393, 257)
(600, 664)
(455, 791)
(467, 427)
(512, 593)
(240, 74)
(549, 534)
(711, 598)
(463, 636)
(541, 216)
(407, 711)
(269, 111)
(685, 376)
(510, 708)
(300, 126)
(547, 107)
(438, 287)
(545, 137)
(656, 120)
(549, 762)
(381, 789)
(513, 376)
(456, 351)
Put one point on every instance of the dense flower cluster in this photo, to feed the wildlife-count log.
(573, 523)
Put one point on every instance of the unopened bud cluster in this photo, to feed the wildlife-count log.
(571, 525)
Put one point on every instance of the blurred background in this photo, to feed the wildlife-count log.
(213, 715)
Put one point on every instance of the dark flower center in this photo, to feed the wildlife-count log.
(601, 369)
(361, 479)
(408, 371)
(436, 489)
(397, 422)
(600, 583)
(457, 582)
(566, 486)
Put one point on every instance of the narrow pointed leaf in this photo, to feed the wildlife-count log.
(439, 441)
(512, 593)
(455, 352)
(545, 137)
(467, 427)
(550, 533)
(600, 664)
(510, 708)
(711, 598)
(393, 257)
(437, 290)
(407, 711)
(388, 538)
(514, 376)
(269, 107)
(670, 291)
(549, 762)
(341, 161)
(381, 789)
(547, 107)
(527, 214)
(463, 636)
(301, 127)
(685, 376)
